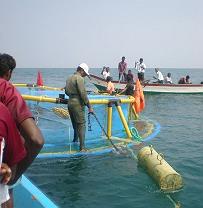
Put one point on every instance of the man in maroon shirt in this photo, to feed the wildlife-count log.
(12, 149)
(11, 98)
(15, 150)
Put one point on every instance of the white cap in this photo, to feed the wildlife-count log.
(84, 67)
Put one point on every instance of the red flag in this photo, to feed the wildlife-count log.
(39, 79)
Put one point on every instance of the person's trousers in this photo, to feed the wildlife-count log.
(140, 76)
(77, 116)
(122, 76)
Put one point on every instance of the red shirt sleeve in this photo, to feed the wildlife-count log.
(13, 100)
(14, 150)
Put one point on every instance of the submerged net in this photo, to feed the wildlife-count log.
(54, 122)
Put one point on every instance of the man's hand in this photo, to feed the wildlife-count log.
(90, 110)
(5, 173)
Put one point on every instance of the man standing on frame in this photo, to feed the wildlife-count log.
(75, 89)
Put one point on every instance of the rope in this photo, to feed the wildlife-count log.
(103, 130)
(176, 204)
(132, 153)
(89, 123)
(135, 134)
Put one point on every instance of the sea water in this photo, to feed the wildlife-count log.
(116, 181)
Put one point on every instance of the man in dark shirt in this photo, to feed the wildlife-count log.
(129, 88)
(75, 89)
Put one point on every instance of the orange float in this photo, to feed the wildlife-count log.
(139, 103)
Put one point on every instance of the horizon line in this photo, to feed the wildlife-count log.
(110, 67)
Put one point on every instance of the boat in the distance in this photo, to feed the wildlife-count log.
(100, 84)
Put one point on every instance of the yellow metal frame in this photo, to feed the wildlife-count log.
(55, 100)
(109, 121)
(92, 101)
(37, 86)
(125, 124)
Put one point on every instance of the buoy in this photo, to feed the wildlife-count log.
(163, 174)
(39, 79)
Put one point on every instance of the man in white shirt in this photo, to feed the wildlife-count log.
(160, 77)
(168, 79)
(140, 66)
(106, 73)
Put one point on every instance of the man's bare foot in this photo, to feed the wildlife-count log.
(84, 150)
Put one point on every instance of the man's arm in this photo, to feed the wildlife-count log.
(143, 66)
(119, 67)
(125, 68)
(33, 143)
(122, 91)
(136, 64)
(5, 173)
(83, 93)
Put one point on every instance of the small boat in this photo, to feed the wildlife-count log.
(151, 88)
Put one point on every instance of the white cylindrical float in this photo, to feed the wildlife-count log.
(164, 175)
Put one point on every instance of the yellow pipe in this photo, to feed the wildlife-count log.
(50, 88)
(92, 101)
(53, 100)
(126, 140)
(124, 121)
(40, 98)
(36, 86)
(106, 101)
(109, 121)
(21, 85)
(135, 113)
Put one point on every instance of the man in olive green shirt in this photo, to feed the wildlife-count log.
(75, 89)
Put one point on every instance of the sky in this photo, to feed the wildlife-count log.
(64, 33)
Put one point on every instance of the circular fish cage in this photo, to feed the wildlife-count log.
(52, 117)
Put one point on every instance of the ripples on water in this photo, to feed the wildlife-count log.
(112, 180)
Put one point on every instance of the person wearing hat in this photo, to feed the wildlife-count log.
(75, 89)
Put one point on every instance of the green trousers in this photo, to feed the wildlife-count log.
(77, 116)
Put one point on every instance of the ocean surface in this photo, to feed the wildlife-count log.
(115, 181)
